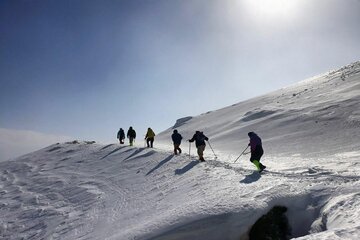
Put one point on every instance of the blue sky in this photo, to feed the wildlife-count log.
(84, 68)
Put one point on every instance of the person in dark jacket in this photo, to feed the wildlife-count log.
(121, 136)
(256, 151)
(131, 135)
(176, 137)
(199, 139)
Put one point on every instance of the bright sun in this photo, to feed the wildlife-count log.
(271, 9)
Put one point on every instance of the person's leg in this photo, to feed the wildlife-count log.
(260, 152)
(176, 147)
(255, 158)
(257, 164)
(151, 142)
(200, 151)
(262, 167)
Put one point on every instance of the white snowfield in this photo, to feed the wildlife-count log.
(310, 132)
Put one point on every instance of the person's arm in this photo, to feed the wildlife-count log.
(193, 139)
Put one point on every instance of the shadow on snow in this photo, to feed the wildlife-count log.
(117, 149)
(160, 164)
(186, 168)
(253, 177)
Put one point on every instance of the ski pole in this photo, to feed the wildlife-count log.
(212, 149)
(241, 154)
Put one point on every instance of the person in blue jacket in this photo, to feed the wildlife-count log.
(121, 136)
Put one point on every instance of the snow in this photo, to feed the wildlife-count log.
(310, 132)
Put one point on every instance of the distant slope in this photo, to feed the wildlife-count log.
(317, 116)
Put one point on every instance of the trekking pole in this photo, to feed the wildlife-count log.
(241, 154)
(189, 150)
(212, 149)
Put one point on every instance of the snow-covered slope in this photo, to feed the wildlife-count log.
(84, 190)
(91, 191)
(318, 116)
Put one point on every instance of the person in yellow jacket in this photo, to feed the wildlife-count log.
(150, 135)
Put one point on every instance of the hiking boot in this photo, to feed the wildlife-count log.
(262, 167)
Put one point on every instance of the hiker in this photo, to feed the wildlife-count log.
(256, 150)
(199, 139)
(150, 135)
(131, 135)
(176, 137)
(121, 136)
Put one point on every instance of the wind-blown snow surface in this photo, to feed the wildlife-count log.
(310, 131)
(318, 116)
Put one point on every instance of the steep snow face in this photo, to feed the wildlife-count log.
(310, 131)
(316, 117)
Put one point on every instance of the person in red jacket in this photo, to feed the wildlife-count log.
(256, 150)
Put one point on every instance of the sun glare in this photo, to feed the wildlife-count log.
(271, 9)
